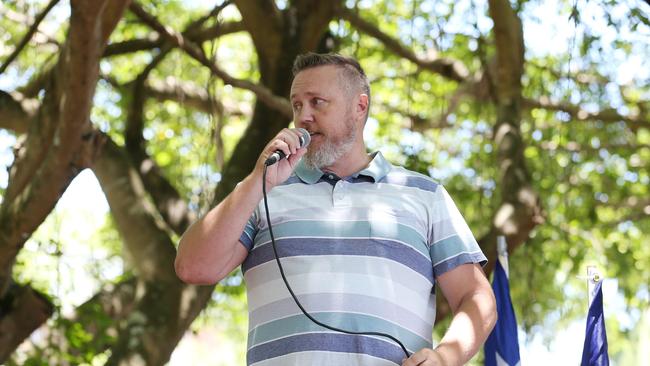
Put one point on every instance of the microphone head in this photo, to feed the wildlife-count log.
(305, 139)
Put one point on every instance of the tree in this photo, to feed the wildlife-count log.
(563, 141)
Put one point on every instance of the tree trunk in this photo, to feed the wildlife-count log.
(519, 211)
(60, 143)
(22, 310)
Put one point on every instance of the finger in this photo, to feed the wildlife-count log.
(416, 359)
(292, 138)
(279, 145)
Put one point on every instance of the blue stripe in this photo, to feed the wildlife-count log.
(332, 342)
(290, 247)
(465, 258)
(244, 239)
(300, 324)
(408, 179)
(361, 229)
(247, 235)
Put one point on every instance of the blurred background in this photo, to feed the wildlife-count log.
(122, 121)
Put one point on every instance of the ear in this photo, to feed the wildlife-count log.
(362, 106)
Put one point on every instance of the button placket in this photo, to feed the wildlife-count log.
(339, 194)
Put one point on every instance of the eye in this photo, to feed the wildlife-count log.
(317, 102)
(297, 106)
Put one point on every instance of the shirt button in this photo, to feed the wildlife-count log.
(330, 176)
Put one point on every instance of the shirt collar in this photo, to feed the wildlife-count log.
(377, 169)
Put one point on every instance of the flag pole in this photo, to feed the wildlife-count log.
(593, 277)
(502, 252)
(594, 350)
(502, 346)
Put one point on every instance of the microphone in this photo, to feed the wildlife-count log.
(278, 155)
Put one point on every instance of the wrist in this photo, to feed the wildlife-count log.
(445, 355)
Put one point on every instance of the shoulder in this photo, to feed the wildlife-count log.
(401, 176)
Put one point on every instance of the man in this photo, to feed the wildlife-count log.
(362, 242)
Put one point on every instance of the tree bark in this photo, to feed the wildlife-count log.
(277, 47)
(163, 307)
(22, 310)
(520, 210)
(60, 140)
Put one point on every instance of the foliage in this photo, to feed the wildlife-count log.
(589, 169)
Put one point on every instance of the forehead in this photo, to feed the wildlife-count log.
(315, 80)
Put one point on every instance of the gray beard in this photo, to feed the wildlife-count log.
(330, 151)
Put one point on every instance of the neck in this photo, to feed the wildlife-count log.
(354, 161)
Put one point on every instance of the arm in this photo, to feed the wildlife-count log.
(472, 301)
(210, 249)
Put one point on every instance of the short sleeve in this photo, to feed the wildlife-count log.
(451, 242)
(250, 230)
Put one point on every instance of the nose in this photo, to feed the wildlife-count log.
(303, 116)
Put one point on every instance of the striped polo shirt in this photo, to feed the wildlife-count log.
(361, 253)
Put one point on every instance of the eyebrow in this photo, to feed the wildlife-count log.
(311, 94)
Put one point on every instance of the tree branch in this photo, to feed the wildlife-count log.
(579, 77)
(22, 310)
(165, 306)
(16, 112)
(28, 35)
(196, 25)
(264, 21)
(148, 246)
(196, 35)
(446, 67)
(61, 142)
(263, 94)
(187, 94)
(417, 122)
(519, 211)
(573, 146)
(171, 206)
(634, 122)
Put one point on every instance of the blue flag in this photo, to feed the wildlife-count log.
(502, 346)
(594, 352)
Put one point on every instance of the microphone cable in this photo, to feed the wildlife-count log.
(295, 299)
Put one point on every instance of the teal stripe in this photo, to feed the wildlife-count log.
(450, 247)
(353, 322)
(346, 229)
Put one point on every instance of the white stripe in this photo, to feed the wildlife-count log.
(454, 256)
(423, 328)
(402, 198)
(319, 280)
(376, 267)
(373, 218)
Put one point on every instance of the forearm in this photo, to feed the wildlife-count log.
(207, 247)
(210, 248)
(472, 323)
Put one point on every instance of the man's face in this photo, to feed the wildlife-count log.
(322, 106)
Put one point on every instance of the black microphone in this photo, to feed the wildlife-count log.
(278, 155)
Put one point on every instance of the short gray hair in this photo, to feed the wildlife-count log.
(352, 71)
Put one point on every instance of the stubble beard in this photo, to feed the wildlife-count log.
(332, 150)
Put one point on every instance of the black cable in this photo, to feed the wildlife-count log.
(295, 299)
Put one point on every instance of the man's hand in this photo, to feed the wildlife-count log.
(287, 141)
(425, 357)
